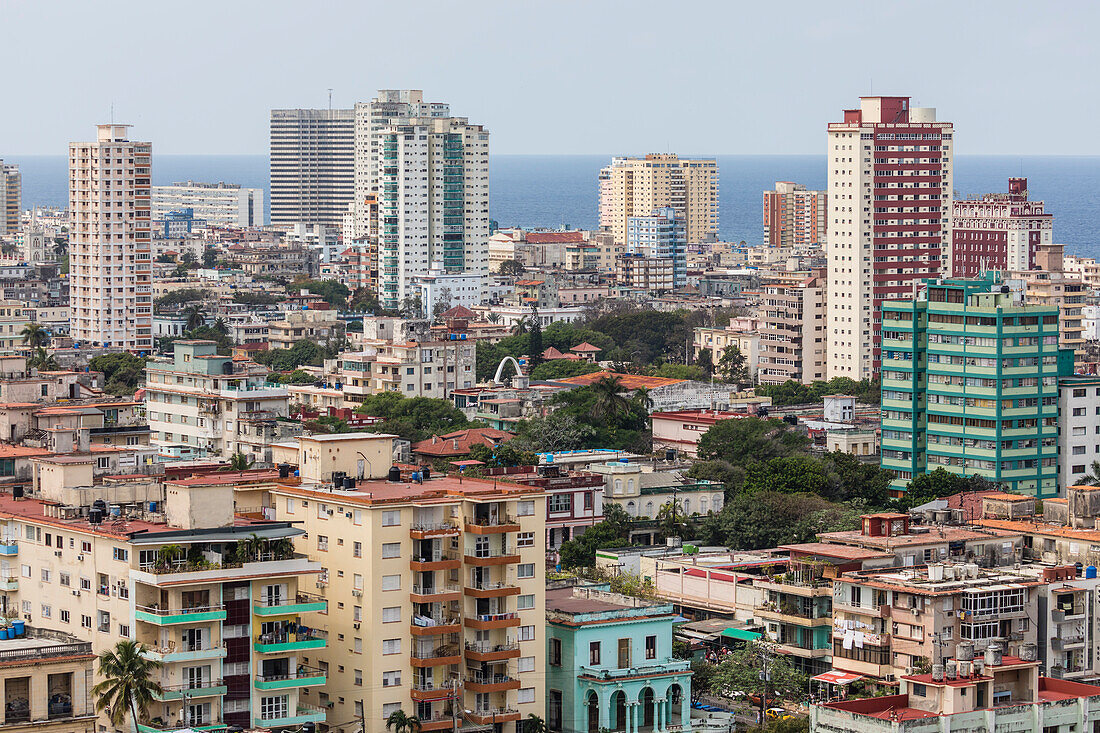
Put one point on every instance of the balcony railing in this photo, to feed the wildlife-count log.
(157, 611)
(298, 600)
(301, 672)
(491, 521)
(495, 616)
(434, 527)
(292, 637)
(484, 647)
(193, 685)
(437, 652)
(431, 590)
(430, 621)
(480, 678)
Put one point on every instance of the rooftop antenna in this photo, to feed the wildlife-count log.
(330, 99)
(112, 113)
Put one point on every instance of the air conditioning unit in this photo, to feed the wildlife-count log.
(357, 593)
(330, 512)
(910, 670)
(76, 593)
(356, 626)
(916, 611)
(80, 558)
(57, 553)
(348, 515)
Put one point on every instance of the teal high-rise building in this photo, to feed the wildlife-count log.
(970, 384)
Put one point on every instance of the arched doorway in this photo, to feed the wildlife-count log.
(676, 704)
(618, 710)
(648, 707)
(593, 703)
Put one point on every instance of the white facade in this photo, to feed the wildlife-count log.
(460, 288)
(1078, 428)
(110, 291)
(218, 204)
(871, 212)
(312, 165)
(318, 237)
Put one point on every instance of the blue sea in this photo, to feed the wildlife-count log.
(557, 190)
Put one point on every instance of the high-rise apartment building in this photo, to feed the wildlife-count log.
(433, 202)
(436, 595)
(218, 204)
(794, 216)
(997, 231)
(661, 234)
(639, 186)
(970, 384)
(312, 165)
(110, 281)
(1046, 282)
(889, 220)
(11, 198)
(793, 337)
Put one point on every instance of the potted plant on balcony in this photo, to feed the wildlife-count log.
(128, 685)
(400, 722)
(169, 556)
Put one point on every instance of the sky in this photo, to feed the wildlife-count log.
(561, 77)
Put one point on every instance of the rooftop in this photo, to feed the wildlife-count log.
(628, 381)
(436, 490)
(936, 536)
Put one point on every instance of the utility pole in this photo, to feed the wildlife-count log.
(362, 717)
(454, 706)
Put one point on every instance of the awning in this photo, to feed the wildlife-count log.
(837, 678)
(742, 634)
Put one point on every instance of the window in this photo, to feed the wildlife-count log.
(389, 709)
(525, 602)
(26, 571)
(357, 581)
(85, 584)
(526, 570)
(47, 611)
(526, 633)
(1078, 450)
(357, 613)
(624, 653)
(391, 550)
(588, 500)
(86, 621)
(526, 509)
(919, 690)
(124, 631)
(357, 549)
(559, 503)
(527, 664)
(104, 621)
(45, 575)
(525, 694)
(593, 653)
(64, 578)
(651, 647)
(121, 553)
(358, 678)
(85, 546)
(555, 653)
(322, 543)
(358, 648)
(391, 518)
(391, 582)
(290, 506)
(391, 646)
(391, 615)
(525, 539)
(64, 616)
(391, 678)
(274, 707)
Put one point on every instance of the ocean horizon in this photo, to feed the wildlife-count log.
(561, 190)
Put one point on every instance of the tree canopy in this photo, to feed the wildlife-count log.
(796, 393)
(123, 372)
(412, 418)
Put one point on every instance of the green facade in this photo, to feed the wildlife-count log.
(970, 384)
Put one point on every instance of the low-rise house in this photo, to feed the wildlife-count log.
(459, 443)
(609, 664)
(47, 677)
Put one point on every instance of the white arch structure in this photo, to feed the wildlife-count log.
(500, 369)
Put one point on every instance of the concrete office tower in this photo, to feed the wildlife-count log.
(433, 203)
(110, 285)
(663, 235)
(391, 106)
(889, 220)
(218, 204)
(312, 165)
(998, 231)
(11, 194)
(970, 384)
(639, 186)
(794, 217)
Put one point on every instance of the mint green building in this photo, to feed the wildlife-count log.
(609, 664)
(970, 384)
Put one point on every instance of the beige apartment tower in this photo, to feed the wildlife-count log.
(110, 285)
(639, 186)
(11, 193)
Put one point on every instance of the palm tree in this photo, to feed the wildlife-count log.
(254, 546)
(240, 462)
(42, 361)
(642, 399)
(402, 723)
(1092, 478)
(519, 327)
(609, 402)
(169, 555)
(35, 336)
(671, 518)
(535, 724)
(128, 683)
(493, 318)
(195, 317)
(221, 327)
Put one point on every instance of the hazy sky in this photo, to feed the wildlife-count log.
(588, 76)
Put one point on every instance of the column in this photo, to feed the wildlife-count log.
(685, 712)
(658, 714)
(605, 712)
(631, 717)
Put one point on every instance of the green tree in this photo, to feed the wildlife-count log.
(258, 298)
(750, 439)
(333, 292)
(182, 296)
(35, 336)
(680, 371)
(557, 431)
(1089, 478)
(240, 462)
(503, 455)
(671, 519)
(128, 684)
(123, 372)
(512, 268)
(740, 672)
(732, 366)
(609, 402)
(937, 484)
(442, 303)
(196, 317)
(754, 521)
(399, 722)
(535, 340)
(42, 361)
(562, 368)
(209, 257)
(705, 361)
(412, 418)
(613, 531)
(534, 724)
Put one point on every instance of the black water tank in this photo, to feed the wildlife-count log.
(95, 515)
(338, 478)
(349, 483)
(284, 470)
(17, 492)
(426, 472)
(101, 506)
(670, 454)
(394, 474)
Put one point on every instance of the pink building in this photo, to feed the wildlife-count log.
(998, 231)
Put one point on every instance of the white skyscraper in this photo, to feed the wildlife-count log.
(110, 288)
(312, 165)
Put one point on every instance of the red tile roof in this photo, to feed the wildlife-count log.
(460, 442)
(586, 347)
(554, 237)
(629, 381)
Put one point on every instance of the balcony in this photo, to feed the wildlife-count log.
(436, 561)
(158, 727)
(491, 683)
(279, 642)
(432, 626)
(438, 721)
(490, 559)
(487, 621)
(301, 603)
(167, 617)
(9, 582)
(427, 531)
(182, 574)
(171, 653)
(491, 525)
(302, 714)
(203, 688)
(1061, 643)
(792, 615)
(805, 652)
(435, 593)
(492, 716)
(1067, 613)
(9, 548)
(301, 677)
(436, 656)
(492, 590)
(429, 691)
(482, 651)
(668, 666)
